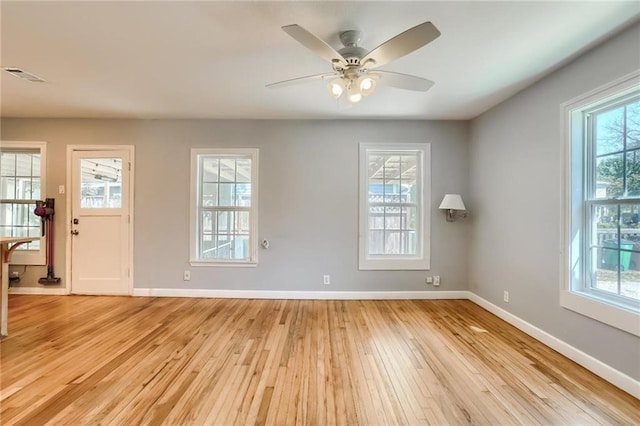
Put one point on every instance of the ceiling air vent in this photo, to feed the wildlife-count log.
(17, 72)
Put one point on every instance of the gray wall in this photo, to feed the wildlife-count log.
(515, 187)
(308, 207)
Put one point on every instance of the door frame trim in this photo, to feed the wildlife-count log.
(69, 184)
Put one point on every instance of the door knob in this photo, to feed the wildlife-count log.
(74, 232)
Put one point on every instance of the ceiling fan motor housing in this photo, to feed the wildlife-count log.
(351, 52)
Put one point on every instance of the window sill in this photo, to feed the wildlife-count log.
(394, 265)
(592, 307)
(217, 264)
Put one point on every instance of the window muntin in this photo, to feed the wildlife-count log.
(225, 206)
(612, 202)
(22, 175)
(393, 198)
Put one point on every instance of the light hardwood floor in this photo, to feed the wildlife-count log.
(117, 360)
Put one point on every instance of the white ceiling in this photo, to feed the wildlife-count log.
(212, 59)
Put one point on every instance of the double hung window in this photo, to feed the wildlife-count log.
(602, 222)
(394, 206)
(22, 176)
(224, 207)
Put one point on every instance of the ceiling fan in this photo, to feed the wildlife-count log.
(355, 70)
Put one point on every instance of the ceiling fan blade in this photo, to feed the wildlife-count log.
(305, 79)
(400, 45)
(403, 81)
(313, 43)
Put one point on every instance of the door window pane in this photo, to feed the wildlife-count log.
(101, 183)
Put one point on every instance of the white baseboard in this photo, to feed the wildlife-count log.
(617, 378)
(39, 291)
(307, 295)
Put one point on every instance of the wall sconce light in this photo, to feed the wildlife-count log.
(452, 203)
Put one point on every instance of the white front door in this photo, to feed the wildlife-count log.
(100, 221)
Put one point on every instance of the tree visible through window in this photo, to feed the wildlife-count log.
(614, 198)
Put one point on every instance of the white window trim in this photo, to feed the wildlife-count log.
(194, 211)
(422, 261)
(32, 257)
(571, 250)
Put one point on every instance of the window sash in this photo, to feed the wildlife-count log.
(598, 253)
(591, 155)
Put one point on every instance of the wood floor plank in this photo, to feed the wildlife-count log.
(117, 360)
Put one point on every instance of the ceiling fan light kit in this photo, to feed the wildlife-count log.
(356, 89)
(354, 69)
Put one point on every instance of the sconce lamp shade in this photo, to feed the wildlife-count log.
(452, 202)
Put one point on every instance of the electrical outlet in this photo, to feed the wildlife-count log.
(506, 296)
(428, 280)
(15, 274)
(326, 279)
(436, 280)
(186, 276)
